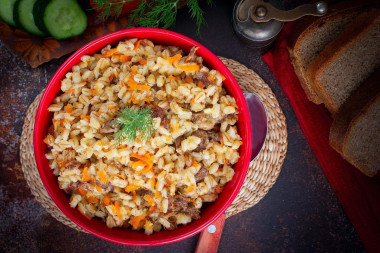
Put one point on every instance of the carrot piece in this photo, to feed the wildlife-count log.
(200, 84)
(135, 221)
(189, 67)
(218, 189)
(94, 92)
(70, 91)
(122, 146)
(133, 85)
(93, 199)
(174, 59)
(85, 117)
(152, 182)
(122, 83)
(68, 108)
(137, 45)
(149, 199)
(85, 176)
(143, 61)
(82, 191)
(109, 53)
(130, 188)
(223, 78)
(83, 82)
(125, 58)
(152, 208)
(190, 188)
(157, 194)
(98, 188)
(171, 78)
(134, 70)
(189, 79)
(117, 206)
(210, 78)
(107, 200)
(113, 108)
(102, 177)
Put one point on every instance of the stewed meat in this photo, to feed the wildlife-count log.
(109, 127)
(203, 121)
(191, 53)
(178, 140)
(73, 164)
(202, 76)
(204, 140)
(201, 174)
(158, 112)
(177, 203)
(214, 136)
(71, 187)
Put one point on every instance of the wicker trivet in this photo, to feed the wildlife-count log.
(263, 170)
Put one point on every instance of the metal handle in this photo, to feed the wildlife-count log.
(261, 11)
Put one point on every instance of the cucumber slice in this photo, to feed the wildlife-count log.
(61, 18)
(23, 16)
(6, 11)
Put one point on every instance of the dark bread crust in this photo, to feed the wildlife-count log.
(351, 109)
(369, 171)
(354, 32)
(306, 25)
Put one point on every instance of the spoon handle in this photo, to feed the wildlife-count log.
(209, 239)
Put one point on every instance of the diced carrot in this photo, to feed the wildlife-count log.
(93, 199)
(194, 164)
(152, 208)
(137, 45)
(107, 200)
(85, 215)
(130, 188)
(125, 58)
(218, 189)
(135, 101)
(83, 82)
(174, 58)
(152, 182)
(122, 83)
(135, 221)
(85, 117)
(122, 146)
(82, 191)
(149, 199)
(171, 78)
(117, 206)
(210, 78)
(143, 61)
(200, 84)
(103, 177)
(94, 92)
(223, 78)
(98, 188)
(134, 70)
(111, 77)
(85, 176)
(114, 108)
(189, 67)
(134, 197)
(190, 188)
(109, 53)
(157, 194)
(189, 79)
(70, 91)
(133, 85)
(68, 108)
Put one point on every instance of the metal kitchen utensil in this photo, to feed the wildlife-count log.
(258, 22)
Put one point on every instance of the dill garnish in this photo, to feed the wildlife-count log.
(152, 13)
(130, 121)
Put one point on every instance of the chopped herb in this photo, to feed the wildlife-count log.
(130, 121)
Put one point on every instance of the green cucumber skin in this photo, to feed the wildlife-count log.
(54, 31)
(17, 15)
(8, 20)
(38, 13)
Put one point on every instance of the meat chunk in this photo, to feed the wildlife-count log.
(201, 174)
(215, 135)
(177, 203)
(178, 140)
(223, 92)
(204, 140)
(191, 54)
(203, 121)
(109, 127)
(210, 197)
(158, 112)
(73, 164)
(71, 187)
(204, 77)
(194, 213)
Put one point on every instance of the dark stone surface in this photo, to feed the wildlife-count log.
(299, 214)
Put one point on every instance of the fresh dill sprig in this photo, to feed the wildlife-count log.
(108, 8)
(130, 121)
(163, 13)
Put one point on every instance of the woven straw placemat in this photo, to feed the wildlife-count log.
(263, 170)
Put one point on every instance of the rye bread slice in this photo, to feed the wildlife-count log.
(362, 141)
(312, 34)
(347, 61)
(351, 109)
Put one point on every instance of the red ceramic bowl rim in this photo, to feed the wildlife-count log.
(140, 33)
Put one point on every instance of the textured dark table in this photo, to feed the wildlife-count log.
(299, 214)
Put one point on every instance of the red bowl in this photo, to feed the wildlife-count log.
(97, 227)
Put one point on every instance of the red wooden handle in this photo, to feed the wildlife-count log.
(208, 242)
